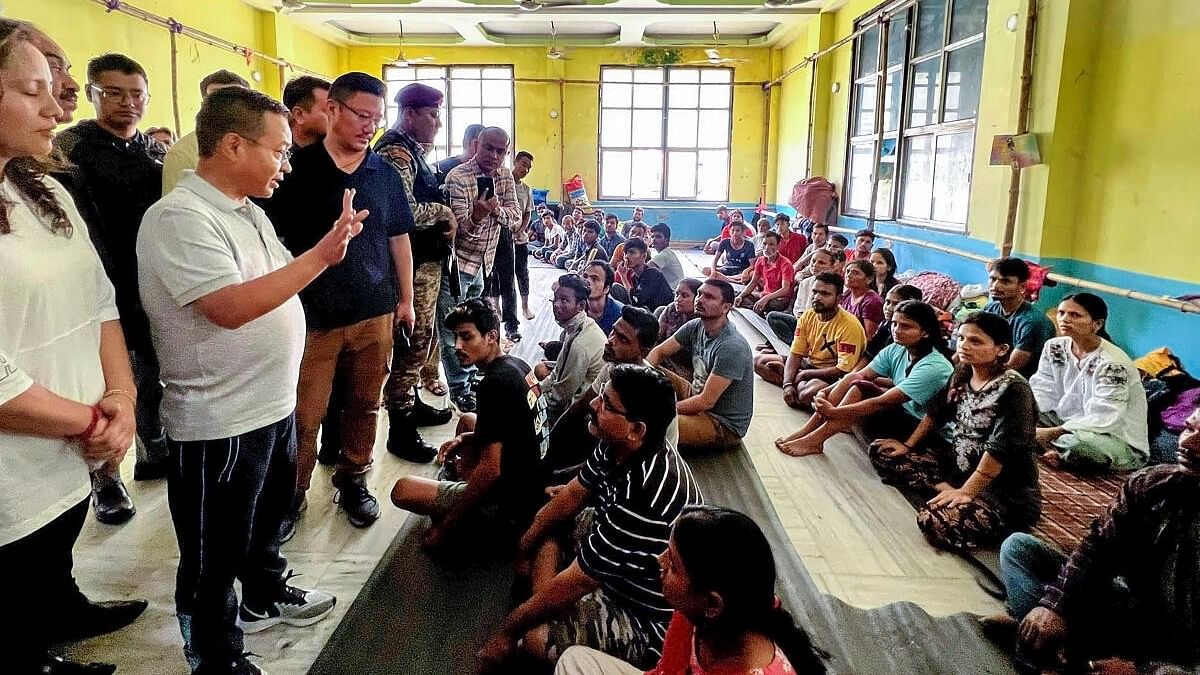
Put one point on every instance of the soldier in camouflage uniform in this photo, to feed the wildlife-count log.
(403, 146)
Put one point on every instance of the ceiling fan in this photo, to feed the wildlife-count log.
(555, 53)
(714, 53)
(402, 61)
(289, 6)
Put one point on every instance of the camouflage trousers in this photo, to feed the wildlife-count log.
(956, 528)
(409, 365)
(599, 622)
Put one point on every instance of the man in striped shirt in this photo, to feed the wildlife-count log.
(609, 596)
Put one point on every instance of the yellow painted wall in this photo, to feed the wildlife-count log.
(572, 138)
(1136, 205)
(85, 30)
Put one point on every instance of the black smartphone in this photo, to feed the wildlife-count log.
(486, 186)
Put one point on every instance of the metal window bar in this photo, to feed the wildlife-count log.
(447, 76)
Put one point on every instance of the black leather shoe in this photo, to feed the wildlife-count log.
(404, 441)
(425, 415)
(465, 402)
(55, 665)
(110, 499)
(361, 507)
(98, 618)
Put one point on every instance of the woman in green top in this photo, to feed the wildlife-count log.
(984, 483)
(890, 393)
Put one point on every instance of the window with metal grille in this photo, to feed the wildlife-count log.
(933, 71)
(665, 133)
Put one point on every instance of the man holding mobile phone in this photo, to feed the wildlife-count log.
(483, 199)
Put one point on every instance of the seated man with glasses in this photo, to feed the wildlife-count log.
(828, 343)
(593, 550)
(351, 308)
(115, 178)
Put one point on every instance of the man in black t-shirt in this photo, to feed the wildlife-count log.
(491, 467)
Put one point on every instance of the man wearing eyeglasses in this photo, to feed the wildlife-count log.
(352, 308)
(117, 174)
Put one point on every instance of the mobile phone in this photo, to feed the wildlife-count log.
(486, 186)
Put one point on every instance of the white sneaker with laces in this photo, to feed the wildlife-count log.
(294, 607)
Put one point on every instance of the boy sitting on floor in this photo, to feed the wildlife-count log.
(770, 285)
(491, 465)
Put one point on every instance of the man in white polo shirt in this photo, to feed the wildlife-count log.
(220, 292)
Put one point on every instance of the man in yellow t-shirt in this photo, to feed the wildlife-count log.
(828, 344)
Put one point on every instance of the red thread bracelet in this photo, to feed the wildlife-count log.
(96, 413)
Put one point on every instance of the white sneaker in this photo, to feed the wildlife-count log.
(294, 607)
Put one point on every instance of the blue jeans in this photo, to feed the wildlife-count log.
(1027, 565)
(471, 286)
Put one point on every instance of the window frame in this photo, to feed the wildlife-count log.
(448, 103)
(664, 148)
(903, 134)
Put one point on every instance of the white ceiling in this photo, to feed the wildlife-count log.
(629, 23)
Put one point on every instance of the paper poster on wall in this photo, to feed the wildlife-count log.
(1020, 150)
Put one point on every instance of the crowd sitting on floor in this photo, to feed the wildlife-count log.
(273, 279)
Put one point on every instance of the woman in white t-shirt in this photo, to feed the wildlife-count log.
(66, 389)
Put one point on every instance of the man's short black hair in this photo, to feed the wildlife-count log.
(576, 285)
(1011, 267)
(611, 216)
(644, 324)
(663, 229)
(841, 239)
(832, 279)
(784, 217)
(865, 233)
(475, 311)
(726, 288)
(233, 110)
(648, 397)
(823, 226)
(525, 153)
(299, 91)
(118, 62)
(772, 234)
(225, 77)
(609, 275)
(354, 82)
(636, 245)
(592, 225)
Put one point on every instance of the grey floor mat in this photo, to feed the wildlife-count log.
(417, 616)
(895, 638)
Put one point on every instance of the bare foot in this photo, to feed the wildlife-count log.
(529, 316)
(800, 448)
(764, 348)
(1052, 458)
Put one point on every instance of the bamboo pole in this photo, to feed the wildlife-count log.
(1014, 187)
(197, 35)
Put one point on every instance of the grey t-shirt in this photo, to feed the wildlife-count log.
(667, 261)
(218, 382)
(726, 354)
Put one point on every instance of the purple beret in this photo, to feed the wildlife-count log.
(417, 95)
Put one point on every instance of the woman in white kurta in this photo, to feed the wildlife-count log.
(66, 390)
(1093, 407)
